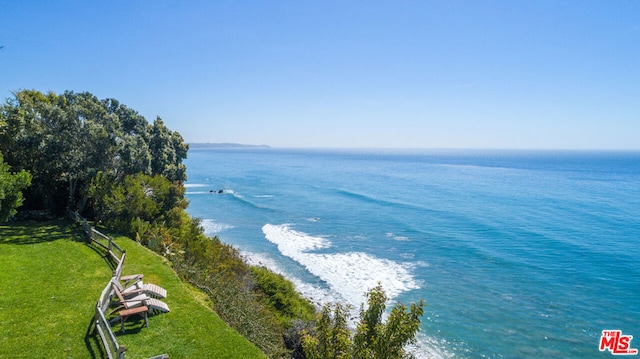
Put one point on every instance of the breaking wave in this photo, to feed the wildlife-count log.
(349, 274)
(212, 227)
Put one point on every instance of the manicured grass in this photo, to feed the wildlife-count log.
(50, 280)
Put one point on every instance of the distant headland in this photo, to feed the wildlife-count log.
(225, 145)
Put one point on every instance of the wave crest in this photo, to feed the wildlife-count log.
(350, 274)
(212, 227)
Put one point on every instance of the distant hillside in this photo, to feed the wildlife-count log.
(225, 145)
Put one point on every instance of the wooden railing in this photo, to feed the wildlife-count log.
(104, 241)
(103, 327)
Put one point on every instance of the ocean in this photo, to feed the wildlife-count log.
(517, 254)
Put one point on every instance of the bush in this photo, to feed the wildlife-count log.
(280, 296)
(373, 338)
(11, 186)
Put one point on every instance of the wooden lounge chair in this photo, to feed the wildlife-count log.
(126, 313)
(127, 307)
(133, 283)
(137, 298)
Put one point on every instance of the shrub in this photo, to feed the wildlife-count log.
(280, 296)
(373, 338)
(11, 186)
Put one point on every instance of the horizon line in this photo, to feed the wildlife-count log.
(231, 145)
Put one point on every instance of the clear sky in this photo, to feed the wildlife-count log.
(444, 74)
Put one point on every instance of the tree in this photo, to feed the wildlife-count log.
(133, 153)
(166, 148)
(332, 338)
(11, 186)
(23, 140)
(373, 338)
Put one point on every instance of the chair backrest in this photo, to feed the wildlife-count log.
(117, 288)
(105, 297)
(117, 273)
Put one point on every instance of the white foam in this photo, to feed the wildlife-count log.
(430, 347)
(193, 185)
(291, 242)
(397, 238)
(348, 274)
(196, 192)
(260, 260)
(212, 227)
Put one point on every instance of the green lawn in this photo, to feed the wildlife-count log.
(50, 280)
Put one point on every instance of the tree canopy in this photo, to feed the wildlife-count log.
(65, 140)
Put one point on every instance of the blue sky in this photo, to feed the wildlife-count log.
(435, 74)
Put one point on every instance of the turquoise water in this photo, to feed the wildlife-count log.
(516, 253)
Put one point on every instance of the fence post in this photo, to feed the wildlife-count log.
(121, 350)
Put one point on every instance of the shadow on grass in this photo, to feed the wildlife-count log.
(93, 342)
(34, 232)
(132, 325)
(104, 254)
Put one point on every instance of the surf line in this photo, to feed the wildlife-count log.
(349, 274)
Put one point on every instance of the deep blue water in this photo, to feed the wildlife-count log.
(516, 253)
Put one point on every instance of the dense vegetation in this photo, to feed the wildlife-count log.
(104, 160)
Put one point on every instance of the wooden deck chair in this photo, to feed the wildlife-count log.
(133, 283)
(128, 307)
(137, 299)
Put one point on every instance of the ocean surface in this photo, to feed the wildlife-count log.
(517, 254)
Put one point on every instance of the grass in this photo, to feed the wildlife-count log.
(50, 280)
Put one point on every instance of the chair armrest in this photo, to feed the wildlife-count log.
(128, 293)
(131, 277)
(128, 280)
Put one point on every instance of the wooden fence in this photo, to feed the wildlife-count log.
(115, 252)
(103, 327)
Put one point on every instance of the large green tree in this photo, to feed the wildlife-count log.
(11, 186)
